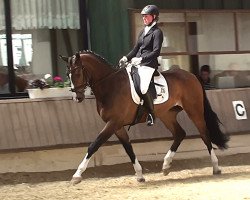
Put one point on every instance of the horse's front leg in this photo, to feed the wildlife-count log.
(124, 139)
(103, 136)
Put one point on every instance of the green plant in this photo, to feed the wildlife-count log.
(57, 81)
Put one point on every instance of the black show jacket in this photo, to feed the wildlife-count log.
(148, 47)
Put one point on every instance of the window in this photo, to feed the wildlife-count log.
(174, 39)
(41, 31)
(173, 27)
(167, 62)
(22, 49)
(207, 31)
(220, 39)
(4, 86)
(243, 21)
(228, 70)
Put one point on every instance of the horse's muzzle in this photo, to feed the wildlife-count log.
(78, 97)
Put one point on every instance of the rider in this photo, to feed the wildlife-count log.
(145, 54)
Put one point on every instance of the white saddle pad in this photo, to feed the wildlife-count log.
(162, 91)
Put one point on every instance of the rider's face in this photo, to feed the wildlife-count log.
(147, 19)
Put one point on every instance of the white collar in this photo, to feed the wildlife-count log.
(147, 28)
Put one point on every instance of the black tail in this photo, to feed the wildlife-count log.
(213, 125)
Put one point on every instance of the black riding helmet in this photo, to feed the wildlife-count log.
(151, 10)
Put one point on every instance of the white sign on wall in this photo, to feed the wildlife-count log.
(239, 110)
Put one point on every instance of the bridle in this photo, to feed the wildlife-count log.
(80, 88)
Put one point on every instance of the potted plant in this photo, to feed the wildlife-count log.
(49, 87)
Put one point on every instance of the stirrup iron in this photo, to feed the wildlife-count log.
(150, 120)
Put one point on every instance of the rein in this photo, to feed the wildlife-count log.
(87, 77)
(106, 77)
(87, 83)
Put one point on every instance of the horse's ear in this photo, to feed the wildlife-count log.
(77, 55)
(64, 58)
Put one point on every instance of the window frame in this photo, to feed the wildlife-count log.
(132, 13)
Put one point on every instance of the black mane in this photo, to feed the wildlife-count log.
(97, 56)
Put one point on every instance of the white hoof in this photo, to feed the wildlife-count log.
(75, 180)
(166, 171)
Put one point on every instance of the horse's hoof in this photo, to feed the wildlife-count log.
(218, 172)
(141, 180)
(165, 171)
(75, 180)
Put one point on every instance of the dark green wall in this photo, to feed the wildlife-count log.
(109, 27)
(109, 20)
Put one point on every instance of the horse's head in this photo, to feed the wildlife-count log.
(78, 76)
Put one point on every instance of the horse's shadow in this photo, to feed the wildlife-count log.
(126, 169)
(188, 180)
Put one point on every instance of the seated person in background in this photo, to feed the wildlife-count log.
(205, 77)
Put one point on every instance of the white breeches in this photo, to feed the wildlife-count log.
(145, 74)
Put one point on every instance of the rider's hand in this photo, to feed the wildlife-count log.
(123, 60)
(136, 61)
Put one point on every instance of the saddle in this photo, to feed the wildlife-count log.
(137, 84)
(158, 89)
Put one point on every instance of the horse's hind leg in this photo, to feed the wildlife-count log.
(179, 134)
(197, 117)
(124, 139)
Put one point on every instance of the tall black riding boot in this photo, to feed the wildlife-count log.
(149, 105)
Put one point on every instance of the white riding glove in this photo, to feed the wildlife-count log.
(136, 61)
(123, 60)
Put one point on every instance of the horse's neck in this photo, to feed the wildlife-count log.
(109, 85)
(98, 70)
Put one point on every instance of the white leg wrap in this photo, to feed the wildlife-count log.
(82, 167)
(138, 169)
(214, 160)
(168, 159)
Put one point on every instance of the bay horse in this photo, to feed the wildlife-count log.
(111, 88)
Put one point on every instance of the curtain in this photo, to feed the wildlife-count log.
(40, 14)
